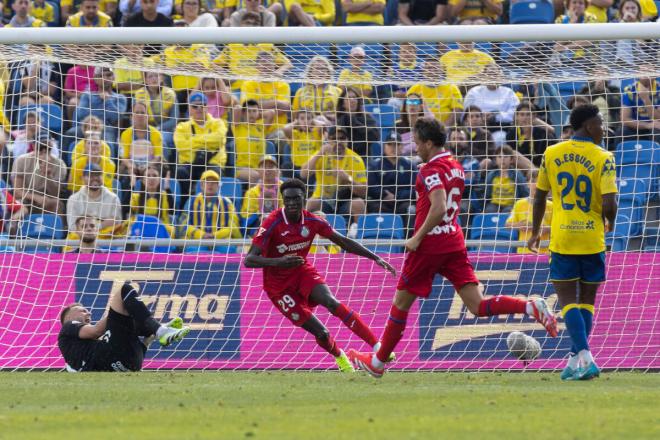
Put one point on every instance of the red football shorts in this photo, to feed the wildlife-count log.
(292, 298)
(420, 269)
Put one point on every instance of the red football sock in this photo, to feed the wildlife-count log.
(352, 320)
(396, 324)
(502, 305)
(329, 345)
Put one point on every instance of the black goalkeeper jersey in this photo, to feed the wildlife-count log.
(78, 353)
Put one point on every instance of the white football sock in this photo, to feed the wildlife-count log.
(376, 347)
(573, 361)
(529, 308)
(162, 330)
(377, 362)
(586, 357)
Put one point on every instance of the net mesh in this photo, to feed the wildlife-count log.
(119, 117)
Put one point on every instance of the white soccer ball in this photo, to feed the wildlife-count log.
(522, 346)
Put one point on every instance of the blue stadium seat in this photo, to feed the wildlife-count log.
(43, 227)
(147, 226)
(385, 116)
(229, 187)
(3, 184)
(492, 227)
(652, 239)
(385, 226)
(570, 88)
(51, 117)
(532, 12)
(636, 152)
(338, 222)
(629, 219)
(633, 189)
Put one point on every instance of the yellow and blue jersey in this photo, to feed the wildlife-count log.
(631, 99)
(78, 20)
(578, 173)
(216, 215)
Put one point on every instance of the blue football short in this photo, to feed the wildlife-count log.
(586, 268)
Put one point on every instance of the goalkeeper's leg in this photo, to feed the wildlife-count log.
(129, 303)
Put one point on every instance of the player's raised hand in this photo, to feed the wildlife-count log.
(289, 261)
(534, 243)
(387, 266)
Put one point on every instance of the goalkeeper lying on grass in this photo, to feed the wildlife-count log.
(113, 344)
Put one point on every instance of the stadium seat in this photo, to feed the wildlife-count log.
(6, 249)
(651, 239)
(51, 116)
(43, 227)
(385, 116)
(629, 219)
(338, 222)
(633, 189)
(147, 226)
(491, 227)
(636, 152)
(385, 226)
(532, 12)
(229, 187)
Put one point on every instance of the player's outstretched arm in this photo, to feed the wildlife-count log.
(254, 259)
(356, 248)
(538, 212)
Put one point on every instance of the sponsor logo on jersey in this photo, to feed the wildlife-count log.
(261, 232)
(432, 181)
(282, 248)
(444, 229)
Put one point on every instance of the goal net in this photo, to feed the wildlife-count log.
(152, 157)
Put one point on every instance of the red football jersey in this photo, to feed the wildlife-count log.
(277, 237)
(442, 171)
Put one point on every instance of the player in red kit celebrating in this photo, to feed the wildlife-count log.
(438, 246)
(294, 286)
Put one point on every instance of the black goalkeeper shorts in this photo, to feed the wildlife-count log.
(120, 348)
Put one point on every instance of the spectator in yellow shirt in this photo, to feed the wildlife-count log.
(328, 248)
(355, 75)
(89, 16)
(341, 178)
(162, 108)
(576, 12)
(319, 95)
(364, 13)
(187, 58)
(248, 127)
(44, 12)
(200, 143)
(211, 215)
(305, 138)
(69, 7)
(127, 79)
(310, 12)
(241, 59)
(138, 145)
(464, 63)
(475, 11)
(153, 199)
(505, 184)
(93, 155)
(264, 197)
(270, 94)
(521, 217)
(442, 99)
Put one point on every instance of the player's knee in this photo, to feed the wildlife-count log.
(322, 334)
(127, 289)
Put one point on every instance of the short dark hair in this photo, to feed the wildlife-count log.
(505, 150)
(430, 129)
(581, 114)
(65, 311)
(293, 184)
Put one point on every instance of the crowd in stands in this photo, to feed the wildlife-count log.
(130, 143)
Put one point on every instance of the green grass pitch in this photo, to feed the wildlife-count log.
(300, 405)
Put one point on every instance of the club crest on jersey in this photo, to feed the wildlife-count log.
(295, 316)
(282, 248)
(304, 231)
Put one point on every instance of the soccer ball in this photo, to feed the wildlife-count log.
(522, 346)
